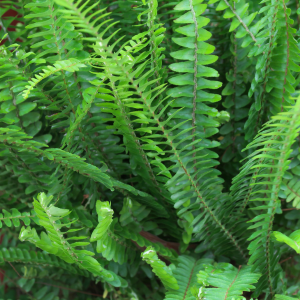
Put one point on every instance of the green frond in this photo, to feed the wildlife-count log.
(14, 109)
(49, 31)
(241, 19)
(71, 65)
(108, 244)
(77, 13)
(54, 241)
(290, 190)
(194, 120)
(104, 218)
(22, 256)
(260, 179)
(277, 52)
(156, 37)
(113, 246)
(118, 109)
(163, 272)
(186, 275)
(224, 281)
(89, 96)
(71, 161)
(293, 240)
(283, 297)
(14, 217)
(113, 241)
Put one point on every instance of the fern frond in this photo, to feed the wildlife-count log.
(70, 65)
(77, 13)
(266, 167)
(14, 109)
(46, 21)
(236, 101)
(277, 54)
(290, 189)
(54, 242)
(113, 246)
(123, 123)
(163, 272)
(241, 19)
(14, 217)
(59, 156)
(293, 240)
(104, 218)
(15, 139)
(196, 53)
(17, 255)
(89, 96)
(283, 297)
(156, 36)
(113, 241)
(192, 100)
(224, 281)
(186, 275)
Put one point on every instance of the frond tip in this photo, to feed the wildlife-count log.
(54, 241)
(163, 272)
(293, 240)
(70, 65)
(105, 214)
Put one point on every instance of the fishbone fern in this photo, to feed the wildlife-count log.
(149, 149)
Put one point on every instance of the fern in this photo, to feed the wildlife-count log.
(293, 240)
(14, 217)
(269, 162)
(113, 241)
(159, 140)
(104, 218)
(160, 269)
(49, 217)
(290, 189)
(186, 276)
(71, 66)
(282, 297)
(25, 257)
(227, 282)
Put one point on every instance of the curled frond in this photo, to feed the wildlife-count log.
(163, 272)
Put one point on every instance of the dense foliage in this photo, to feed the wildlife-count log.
(123, 175)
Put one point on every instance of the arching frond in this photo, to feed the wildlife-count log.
(265, 170)
(67, 65)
